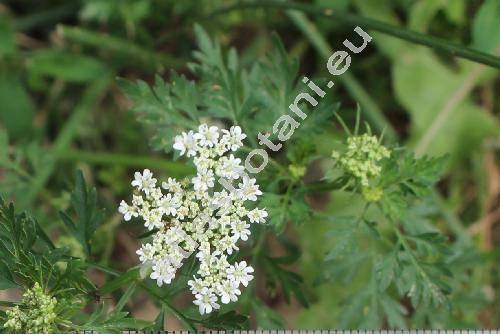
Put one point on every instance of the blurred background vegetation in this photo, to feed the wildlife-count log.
(61, 110)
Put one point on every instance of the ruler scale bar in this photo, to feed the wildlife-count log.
(282, 331)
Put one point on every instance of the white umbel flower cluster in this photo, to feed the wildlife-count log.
(196, 216)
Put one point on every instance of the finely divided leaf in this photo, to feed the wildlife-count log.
(88, 216)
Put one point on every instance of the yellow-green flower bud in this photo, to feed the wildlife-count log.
(297, 171)
(372, 194)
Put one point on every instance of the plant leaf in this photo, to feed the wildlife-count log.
(88, 216)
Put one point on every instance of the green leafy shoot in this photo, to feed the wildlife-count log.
(88, 216)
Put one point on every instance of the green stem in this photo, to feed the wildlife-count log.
(363, 213)
(406, 246)
(150, 291)
(319, 187)
(371, 24)
(129, 160)
(259, 245)
(371, 110)
(104, 269)
(285, 200)
(187, 322)
(119, 46)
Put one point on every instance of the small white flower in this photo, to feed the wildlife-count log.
(205, 256)
(203, 164)
(207, 136)
(257, 215)
(144, 182)
(196, 285)
(221, 147)
(146, 253)
(127, 211)
(234, 137)
(138, 202)
(204, 181)
(186, 142)
(206, 301)
(220, 200)
(248, 189)
(162, 272)
(230, 168)
(169, 204)
(240, 230)
(240, 273)
(152, 219)
(172, 185)
(228, 291)
(240, 210)
(227, 244)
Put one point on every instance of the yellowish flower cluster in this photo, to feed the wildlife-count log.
(35, 314)
(362, 158)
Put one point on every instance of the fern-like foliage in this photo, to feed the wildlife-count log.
(28, 257)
